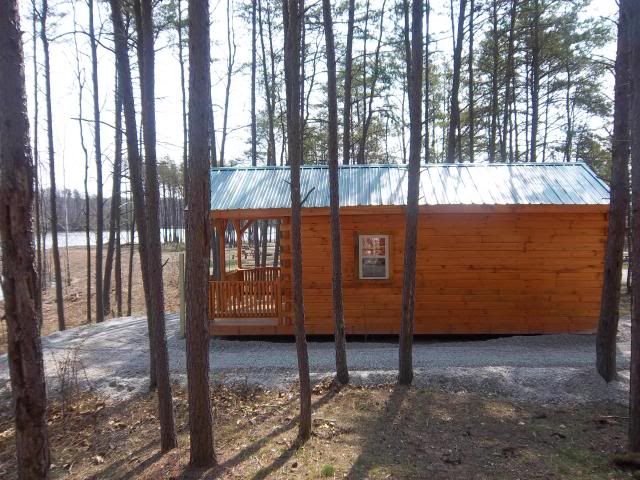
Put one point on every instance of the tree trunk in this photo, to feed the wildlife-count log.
(154, 253)
(135, 172)
(348, 74)
(547, 104)
(197, 246)
(19, 278)
(46, 277)
(369, 111)
(509, 76)
(118, 268)
(610, 303)
(231, 59)
(162, 213)
(254, 139)
(342, 372)
(87, 198)
(407, 59)
(213, 153)
(570, 109)
(527, 92)
(472, 114)
(294, 139)
(453, 153)
(427, 83)
(36, 160)
(65, 194)
(114, 218)
(633, 15)
(268, 89)
(183, 92)
(363, 75)
(275, 92)
(403, 109)
(405, 376)
(130, 283)
(495, 58)
(535, 81)
(52, 168)
(303, 78)
(98, 152)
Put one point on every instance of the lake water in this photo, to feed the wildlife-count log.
(78, 239)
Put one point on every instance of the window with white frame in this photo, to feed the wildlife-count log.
(373, 257)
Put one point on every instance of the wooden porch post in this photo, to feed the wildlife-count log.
(237, 225)
(238, 229)
(279, 301)
(221, 226)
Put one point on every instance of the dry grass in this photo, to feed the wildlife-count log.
(75, 292)
(382, 432)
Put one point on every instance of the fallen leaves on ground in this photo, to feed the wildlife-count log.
(358, 432)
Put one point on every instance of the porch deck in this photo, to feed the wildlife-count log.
(246, 298)
(250, 301)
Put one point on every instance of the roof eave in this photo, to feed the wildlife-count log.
(274, 213)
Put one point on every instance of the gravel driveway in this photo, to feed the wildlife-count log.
(546, 369)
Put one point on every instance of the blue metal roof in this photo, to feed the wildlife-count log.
(248, 188)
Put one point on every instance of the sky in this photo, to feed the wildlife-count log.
(69, 155)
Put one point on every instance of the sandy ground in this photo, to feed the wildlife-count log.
(113, 359)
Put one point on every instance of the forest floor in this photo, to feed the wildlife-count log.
(376, 432)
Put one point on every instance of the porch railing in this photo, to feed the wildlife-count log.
(260, 274)
(255, 293)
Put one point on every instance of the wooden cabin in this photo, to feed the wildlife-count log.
(502, 248)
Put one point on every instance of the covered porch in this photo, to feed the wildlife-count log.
(249, 296)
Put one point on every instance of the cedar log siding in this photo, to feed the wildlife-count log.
(511, 271)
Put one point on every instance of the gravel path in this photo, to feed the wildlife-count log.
(545, 369)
